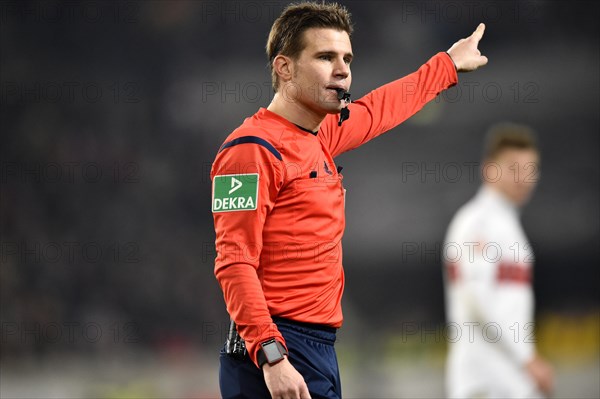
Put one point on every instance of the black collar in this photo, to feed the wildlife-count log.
(306, 130)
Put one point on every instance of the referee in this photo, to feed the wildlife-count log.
(278, 200)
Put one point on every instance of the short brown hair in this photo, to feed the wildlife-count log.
(286, 36)
(509, 135)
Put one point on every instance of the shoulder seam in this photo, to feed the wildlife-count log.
(252, 140)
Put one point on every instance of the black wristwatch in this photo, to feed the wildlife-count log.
(271, 352)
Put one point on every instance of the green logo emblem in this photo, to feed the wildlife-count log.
(235, 192)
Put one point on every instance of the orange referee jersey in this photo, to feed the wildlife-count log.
(278, 206)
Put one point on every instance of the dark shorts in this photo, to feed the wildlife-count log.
(311, 353)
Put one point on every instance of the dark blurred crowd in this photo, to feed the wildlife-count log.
(112, 113)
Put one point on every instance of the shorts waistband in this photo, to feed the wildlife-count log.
(311, 326)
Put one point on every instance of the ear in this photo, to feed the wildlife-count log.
(283, 67)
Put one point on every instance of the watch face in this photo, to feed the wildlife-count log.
(272, 352)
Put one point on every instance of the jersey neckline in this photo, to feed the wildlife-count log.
(270, 114)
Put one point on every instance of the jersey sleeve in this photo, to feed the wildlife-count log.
(250, 168)
(389, 105)
(504, 312)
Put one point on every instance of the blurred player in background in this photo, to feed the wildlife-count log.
(278, 201)
(488, 272)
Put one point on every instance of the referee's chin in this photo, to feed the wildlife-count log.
(330, 105)
(333, 109)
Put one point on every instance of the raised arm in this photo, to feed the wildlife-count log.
(389, 105)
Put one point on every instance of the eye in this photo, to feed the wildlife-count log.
(325, 57)
(347, 61)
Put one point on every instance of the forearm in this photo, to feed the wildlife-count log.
(247, 306)
(397, 101)
(507, 321)
(391, 104)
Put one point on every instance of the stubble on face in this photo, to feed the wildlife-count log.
(322, 67)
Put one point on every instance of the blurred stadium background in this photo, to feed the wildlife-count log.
(112, 112)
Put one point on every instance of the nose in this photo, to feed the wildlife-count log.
(342, 69)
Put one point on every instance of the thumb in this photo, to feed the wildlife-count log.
(484, 60)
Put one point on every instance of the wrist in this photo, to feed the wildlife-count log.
(270, 352)
(267, 367)
(452, 59)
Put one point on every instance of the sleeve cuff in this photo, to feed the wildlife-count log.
(451, 66)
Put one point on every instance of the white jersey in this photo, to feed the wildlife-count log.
(489, 301)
